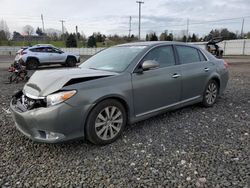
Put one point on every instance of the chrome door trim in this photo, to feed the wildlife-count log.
(168, 106)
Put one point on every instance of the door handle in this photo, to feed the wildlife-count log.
(206, 69)
(176, 75)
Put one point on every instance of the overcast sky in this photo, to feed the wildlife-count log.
(112, 16)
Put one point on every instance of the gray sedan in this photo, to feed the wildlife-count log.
(120, 85)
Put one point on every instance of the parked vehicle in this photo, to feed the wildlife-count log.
(45, 54)
(120, 85)
(213, 48)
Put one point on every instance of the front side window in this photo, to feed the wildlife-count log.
(56, 50)
(49, 49)
(187, 54)
(164, 55)
(115, 59)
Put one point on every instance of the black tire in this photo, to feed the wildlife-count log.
(32, 64)
(210, 94)
(71, 62)
(96, 128)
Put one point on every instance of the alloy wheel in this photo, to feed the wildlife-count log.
(211, 93)
(108, 123)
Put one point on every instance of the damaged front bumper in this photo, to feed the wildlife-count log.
(46, 124)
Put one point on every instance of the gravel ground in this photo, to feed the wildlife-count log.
(190, 147)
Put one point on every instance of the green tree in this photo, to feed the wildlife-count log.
(99, 37)
(184, 38)
(3, 35)
(4, 28)
(147, 37)
(194, 38)
(170, 37)
(91, 42)
(153, 37)
(39, 31)
(71, 41)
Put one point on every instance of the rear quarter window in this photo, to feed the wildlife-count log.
(202, 57)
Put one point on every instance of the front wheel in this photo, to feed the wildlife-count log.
(106, 122)
(210, 94)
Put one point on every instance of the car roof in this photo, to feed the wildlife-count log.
(42, 45)
(155, 43)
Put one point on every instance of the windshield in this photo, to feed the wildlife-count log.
(115, 59)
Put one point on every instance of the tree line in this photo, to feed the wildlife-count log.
(80, 39)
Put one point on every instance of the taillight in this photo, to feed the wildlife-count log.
(226, 65)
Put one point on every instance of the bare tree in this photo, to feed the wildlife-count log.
(28, 30)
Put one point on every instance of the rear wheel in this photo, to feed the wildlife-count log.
(32, 64)
(106, 122)
(71, 62)
(210, 94)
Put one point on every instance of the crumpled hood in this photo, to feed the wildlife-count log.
(45, 82)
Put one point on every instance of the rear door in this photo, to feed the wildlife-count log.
(41, 54)
(158, 88)
(57, 56)
(195, 70)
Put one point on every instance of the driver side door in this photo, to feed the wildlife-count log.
(160, 88)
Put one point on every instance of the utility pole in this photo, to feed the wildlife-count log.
(129, 31)
(139, 2)
(42, 23)
(187, 30)
(76, 35)
(242, 28)
(62, 28)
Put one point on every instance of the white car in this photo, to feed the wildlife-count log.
(45, 54)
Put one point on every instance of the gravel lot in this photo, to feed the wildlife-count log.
(190, 147)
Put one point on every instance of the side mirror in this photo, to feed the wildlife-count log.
(150, 64)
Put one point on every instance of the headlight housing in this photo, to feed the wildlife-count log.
(59, 97)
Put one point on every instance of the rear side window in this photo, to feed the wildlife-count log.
(164, 55)
(187, 54)
(42, 49)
